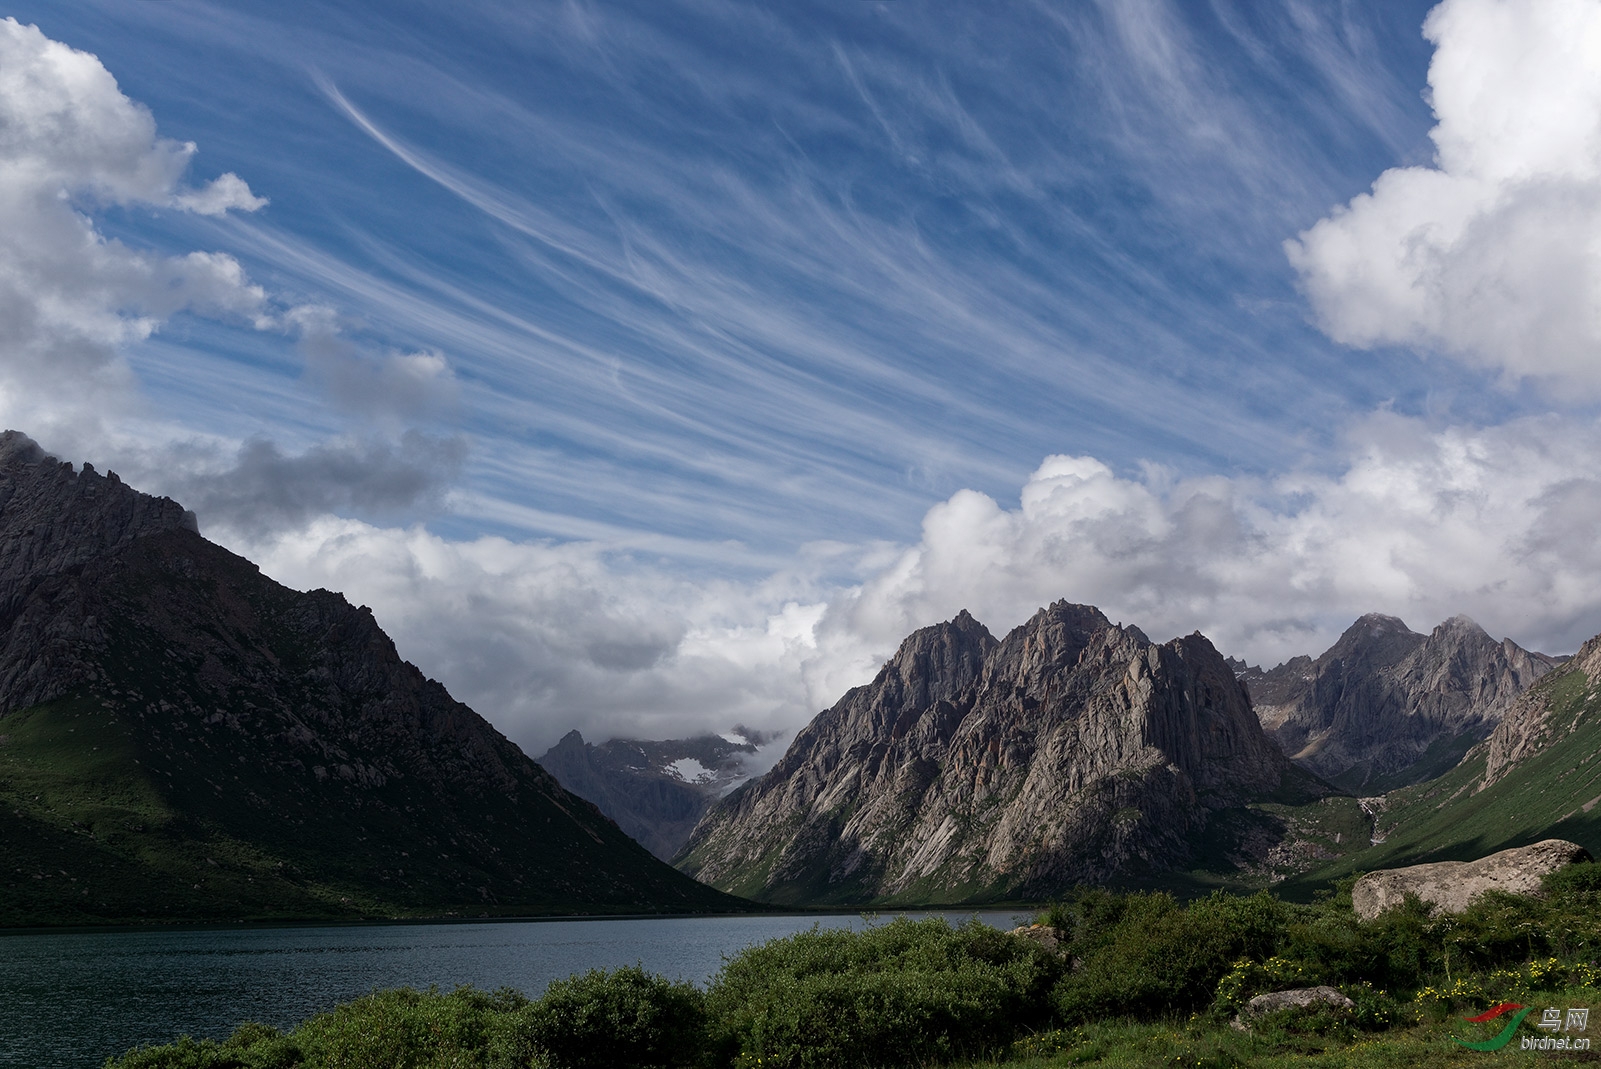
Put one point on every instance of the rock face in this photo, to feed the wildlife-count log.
(1070, 751)
(655, 791)
(182, 737)
(1527, 728)
(1451, 886)
(1385, 706)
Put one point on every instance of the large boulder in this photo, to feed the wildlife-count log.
(1300, 998)
(1450, 886)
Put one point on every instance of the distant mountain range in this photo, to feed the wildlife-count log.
(1537, 776)
(1077, 751)
(1071, 751)
(181, 738)
(655, 791)
(1385, 706)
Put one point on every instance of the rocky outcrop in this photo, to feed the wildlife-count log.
(655, 791)
(1385, 706)
(1530, 725)
(1073, 750)
(275, 728)
(1451, 886)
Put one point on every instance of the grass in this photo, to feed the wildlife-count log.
(1196, 1044)
(89, 833)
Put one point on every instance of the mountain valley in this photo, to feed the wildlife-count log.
(655, 791)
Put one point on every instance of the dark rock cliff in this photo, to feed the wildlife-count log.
(1070, 751)
(204, 742)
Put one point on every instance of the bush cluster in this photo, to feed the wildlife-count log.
(905, 993)
(919, 993)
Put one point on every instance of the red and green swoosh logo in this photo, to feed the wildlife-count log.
(1518, 1012)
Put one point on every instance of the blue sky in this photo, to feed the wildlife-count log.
(728, 319)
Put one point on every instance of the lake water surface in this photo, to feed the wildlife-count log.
(70, 1000)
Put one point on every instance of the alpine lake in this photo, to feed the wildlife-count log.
(70, 1000)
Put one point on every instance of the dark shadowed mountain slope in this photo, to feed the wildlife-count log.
(655, 791)
(1385, 706)
(1071, 751)
(183, 738)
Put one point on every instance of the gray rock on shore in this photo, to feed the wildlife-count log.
(1451, 886)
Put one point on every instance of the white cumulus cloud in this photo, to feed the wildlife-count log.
(1419, 522)
(70, 298)
(1492, 255)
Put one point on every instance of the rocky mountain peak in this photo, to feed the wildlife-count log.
(1367, 711)
(1376, 639)
(1078, 748)
(937, 663)
(1051, 641)
(54, 519)
(18, 448)
(1463, 624)
(656, 791)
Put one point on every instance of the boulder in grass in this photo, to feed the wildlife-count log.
(1300, 998)
(1322, 997)
(1451, 886)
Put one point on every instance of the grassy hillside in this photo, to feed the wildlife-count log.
(88, 835)
(94, 830)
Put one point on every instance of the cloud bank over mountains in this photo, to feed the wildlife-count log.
(1487, 258)
(1422, 523)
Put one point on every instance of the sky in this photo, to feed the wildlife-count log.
(655, 367)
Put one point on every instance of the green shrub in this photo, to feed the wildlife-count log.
(626, 1019)
(1246, 979)
(1373, 1008)
(1577, 886)
(407, 1029)
(905, 993)
(252, 1046)
(1146, 956)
